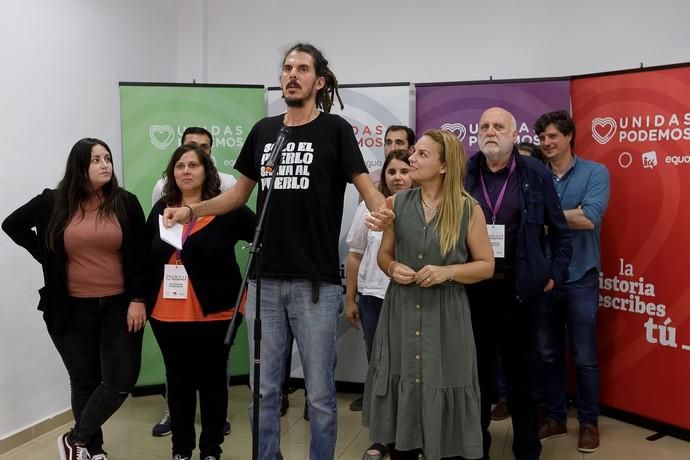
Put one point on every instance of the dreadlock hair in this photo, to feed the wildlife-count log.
(74, 191)
(324, 96)
(455, 198)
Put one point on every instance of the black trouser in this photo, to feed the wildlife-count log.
(504, 325)
(195, 359)
(102, 359)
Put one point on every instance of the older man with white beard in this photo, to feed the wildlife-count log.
(519, 201)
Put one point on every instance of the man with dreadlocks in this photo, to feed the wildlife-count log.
(300, 283)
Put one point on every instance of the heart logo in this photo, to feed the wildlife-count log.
(453, 127)
(161, 136)
(603, 129)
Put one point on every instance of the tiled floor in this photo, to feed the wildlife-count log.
(128, 436)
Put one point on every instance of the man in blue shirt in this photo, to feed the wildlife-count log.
(583, 188)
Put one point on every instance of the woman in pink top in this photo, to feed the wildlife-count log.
(90, 239)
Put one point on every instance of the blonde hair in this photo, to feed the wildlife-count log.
(455, 197)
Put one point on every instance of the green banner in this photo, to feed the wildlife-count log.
(154, 116)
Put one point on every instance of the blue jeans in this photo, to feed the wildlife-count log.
(571, 308)
(314, 326)
(369, 312)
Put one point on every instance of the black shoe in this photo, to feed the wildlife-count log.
(356, 405)
(227, 428)
(70, 450)
(162, 428)
(500, 411)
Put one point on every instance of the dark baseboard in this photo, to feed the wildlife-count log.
(662, 429)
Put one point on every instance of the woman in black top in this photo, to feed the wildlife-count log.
(192, 292)
(90, 239)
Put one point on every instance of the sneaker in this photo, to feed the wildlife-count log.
(356, 405)
(211, 457)
(551, 430)
(162, 428)
(100, 456)
(227, 428)
(284, 404)
(180, 457)
(500, 411)
(589, 438)
(71, 451)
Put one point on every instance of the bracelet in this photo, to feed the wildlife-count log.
(191, 211)
(452, 275)
(389, 269)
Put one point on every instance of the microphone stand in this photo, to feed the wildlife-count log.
(255, 257)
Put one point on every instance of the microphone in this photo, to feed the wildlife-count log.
(281, 140)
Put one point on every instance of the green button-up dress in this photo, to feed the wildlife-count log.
(422, 390)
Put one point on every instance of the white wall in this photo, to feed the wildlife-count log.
(446, 40)
(61, 61)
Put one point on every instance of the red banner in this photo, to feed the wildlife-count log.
(638, 125)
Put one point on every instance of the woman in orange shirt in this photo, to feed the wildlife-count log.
(192, 292)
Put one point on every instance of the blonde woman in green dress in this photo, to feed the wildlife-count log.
(422, 391)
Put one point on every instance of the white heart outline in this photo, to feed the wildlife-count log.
(602, 122)
(452, 127)
(166, 129)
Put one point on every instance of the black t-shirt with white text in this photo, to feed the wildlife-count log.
(302, 224)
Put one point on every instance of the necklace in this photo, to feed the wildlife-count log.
(429, 210)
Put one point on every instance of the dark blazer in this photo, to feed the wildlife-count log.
(540, 207)
(208, 256)
(27, 227)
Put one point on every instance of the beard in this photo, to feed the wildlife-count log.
(495, 153)
(490, 149)
(296, 101)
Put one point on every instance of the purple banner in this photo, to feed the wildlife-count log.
(457, 108)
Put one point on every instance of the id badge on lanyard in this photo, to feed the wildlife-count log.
(497, 236)
(175, 282)
(497, 232)
(175, 278)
